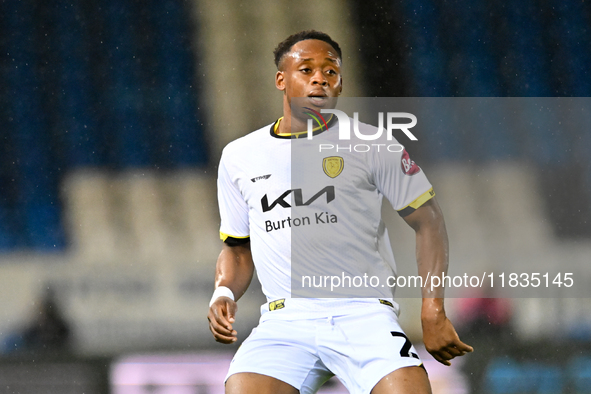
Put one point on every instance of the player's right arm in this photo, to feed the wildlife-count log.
(234, 270)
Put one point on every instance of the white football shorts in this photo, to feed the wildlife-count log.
(360, 348)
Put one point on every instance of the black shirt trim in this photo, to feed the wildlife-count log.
(331, 122)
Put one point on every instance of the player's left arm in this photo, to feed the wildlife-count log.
(439, 335)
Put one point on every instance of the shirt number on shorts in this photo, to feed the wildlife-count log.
(405, 351)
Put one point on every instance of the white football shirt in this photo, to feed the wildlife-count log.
(314, 212)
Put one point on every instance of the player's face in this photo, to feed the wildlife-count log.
(312, 69)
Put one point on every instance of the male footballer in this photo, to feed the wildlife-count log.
(301, 342)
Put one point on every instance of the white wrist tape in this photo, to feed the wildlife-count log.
(221, 291)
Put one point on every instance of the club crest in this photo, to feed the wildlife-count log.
(333, 166)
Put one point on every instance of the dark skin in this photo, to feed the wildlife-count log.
(312, 70)
(432, 250)
(234, 270)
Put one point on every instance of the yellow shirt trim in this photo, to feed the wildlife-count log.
(276, 127)
(420, 200)
(224, 236)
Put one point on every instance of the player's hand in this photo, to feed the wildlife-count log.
(441, 339)
(221, 316)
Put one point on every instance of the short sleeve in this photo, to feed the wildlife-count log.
(233, 207)
(401, 181)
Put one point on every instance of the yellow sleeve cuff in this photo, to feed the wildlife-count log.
(224, 236)
(420, 200)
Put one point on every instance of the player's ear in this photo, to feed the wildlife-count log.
(341, 88)
(280, 80)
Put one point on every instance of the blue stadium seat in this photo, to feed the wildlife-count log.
(504, 376)
(544, 379)
(526, 61)
(76, 120)
(90, 93)
(7, 241)
(36, 178)
(579, 371)
(123, 97)
(569, 27)
(182, 131)
(429, 60)
(429, 73)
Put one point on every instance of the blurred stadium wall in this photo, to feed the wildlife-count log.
(113, 114)
(237, 39)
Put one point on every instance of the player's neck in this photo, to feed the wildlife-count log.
(288, 125)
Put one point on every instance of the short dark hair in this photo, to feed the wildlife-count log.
(285, 45)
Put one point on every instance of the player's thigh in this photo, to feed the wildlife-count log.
(283, 351)
(254, 383)
(408, 380)
(374, 345)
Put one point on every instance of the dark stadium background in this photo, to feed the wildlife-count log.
(113, 114)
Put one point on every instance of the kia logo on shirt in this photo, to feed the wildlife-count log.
(298, 198)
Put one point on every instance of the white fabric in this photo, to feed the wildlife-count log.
(358, 347)
(221, 291)
(320, 237)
